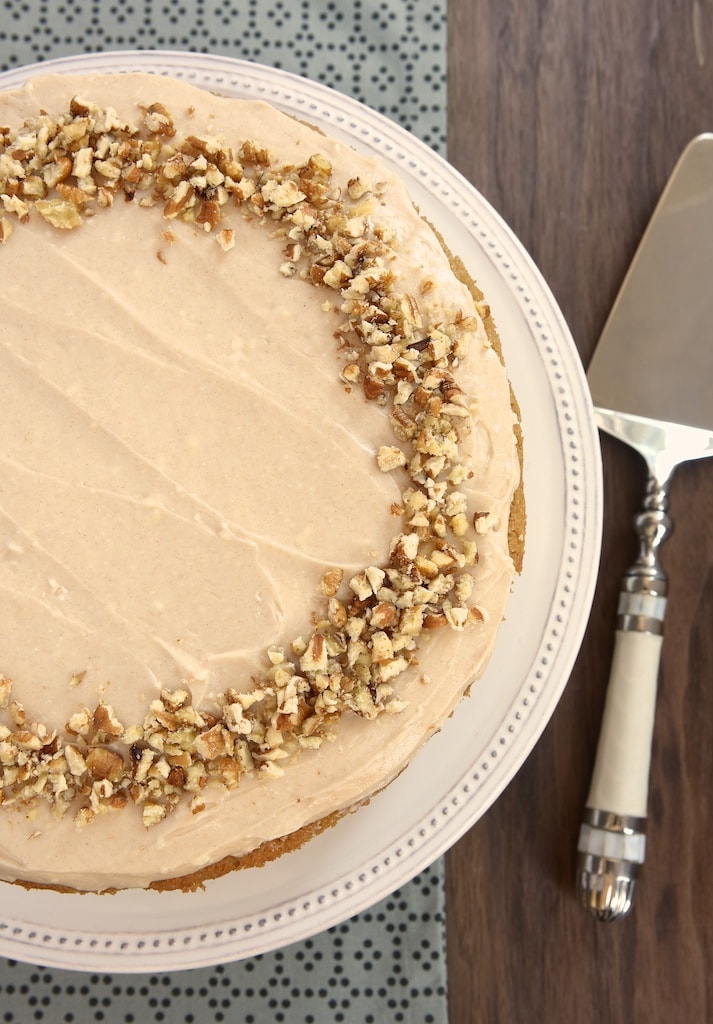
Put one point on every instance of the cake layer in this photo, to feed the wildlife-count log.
(217, 517)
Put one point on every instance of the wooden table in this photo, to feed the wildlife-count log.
(568, 116)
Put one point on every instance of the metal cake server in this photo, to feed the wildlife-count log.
(651, 379)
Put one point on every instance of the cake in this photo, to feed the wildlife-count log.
(260, 503)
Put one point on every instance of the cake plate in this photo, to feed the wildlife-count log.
(463, 769)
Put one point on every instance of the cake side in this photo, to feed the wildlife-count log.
(268, 387)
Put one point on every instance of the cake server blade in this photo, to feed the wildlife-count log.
(651, 379)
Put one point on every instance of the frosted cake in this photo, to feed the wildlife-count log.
(259, 508)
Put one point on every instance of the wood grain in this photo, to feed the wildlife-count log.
(569, 116)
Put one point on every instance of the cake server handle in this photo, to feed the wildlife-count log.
(612, 839)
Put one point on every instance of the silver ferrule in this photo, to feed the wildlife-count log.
(642, 604)
(628, 824)
(611, 850)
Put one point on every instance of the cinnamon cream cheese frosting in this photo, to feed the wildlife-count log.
(259, 455)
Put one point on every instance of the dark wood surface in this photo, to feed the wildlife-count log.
(568, 116)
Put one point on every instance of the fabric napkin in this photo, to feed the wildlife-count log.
(387, 963)
(389, 54)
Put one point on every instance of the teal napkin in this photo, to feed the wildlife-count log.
(389, 54)
(385, 965)
(388, 963)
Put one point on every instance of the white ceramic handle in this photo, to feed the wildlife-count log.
(620, 781)
(612, 841)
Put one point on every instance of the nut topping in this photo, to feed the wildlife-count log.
(364, 635)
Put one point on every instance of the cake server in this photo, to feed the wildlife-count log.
(651, 379)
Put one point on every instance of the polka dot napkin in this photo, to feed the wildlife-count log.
(388, 963)
(389, 54)
(385, 965)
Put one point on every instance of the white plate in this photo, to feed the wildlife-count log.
(466, 766)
